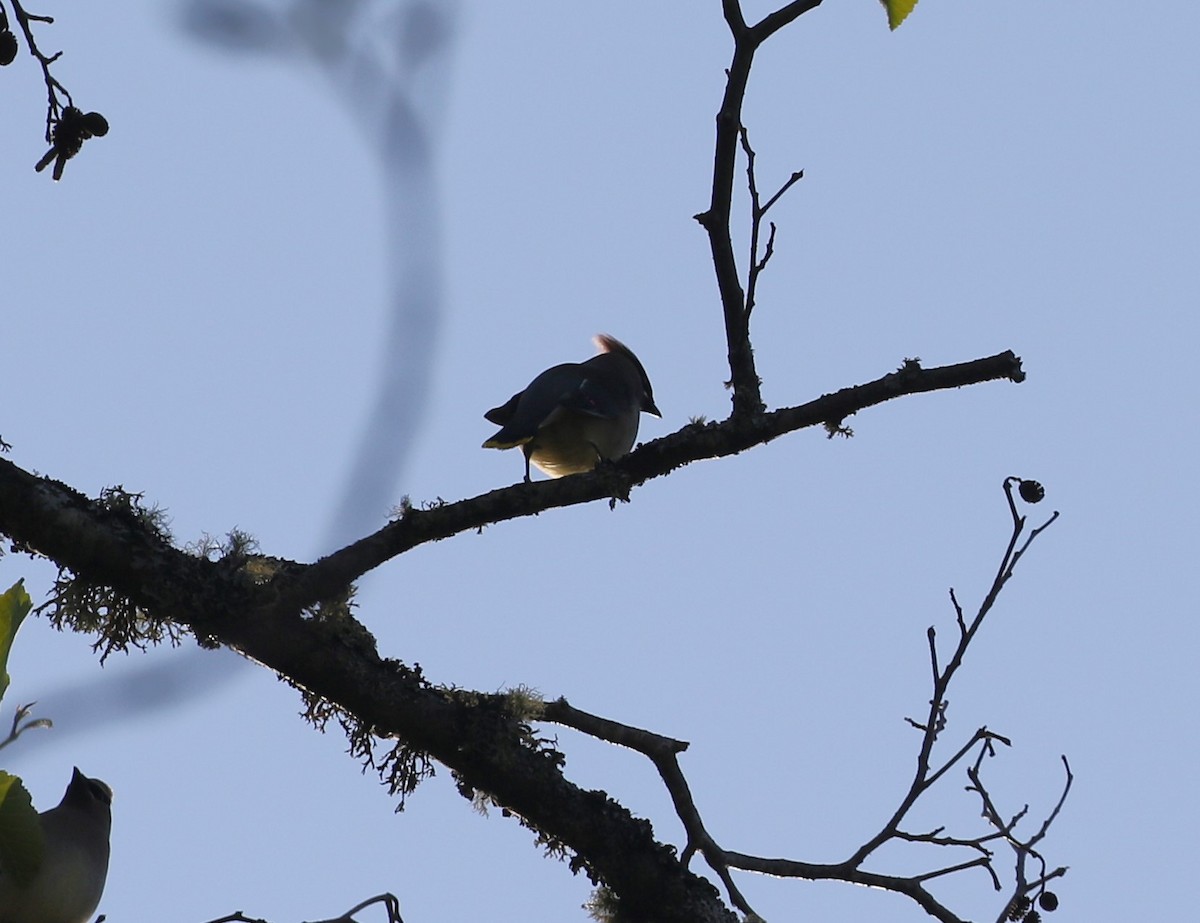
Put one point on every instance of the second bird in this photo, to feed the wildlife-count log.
(67, 886)
(575, 415)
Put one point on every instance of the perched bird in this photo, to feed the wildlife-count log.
(67, 886)
(575, 415)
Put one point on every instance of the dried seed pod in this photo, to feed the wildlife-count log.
(1018, 908)
(8, 48)
(95, 124)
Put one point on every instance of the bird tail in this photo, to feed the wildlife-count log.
(506, 440)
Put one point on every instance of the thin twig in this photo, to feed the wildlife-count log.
(924, 775)
(53, 87)
(743, 378)
(1026, 850)
(983, 734)
(23, 712)
(387, 899)
(663, 753)
(788, 184)
(950, 870)
(757, 211)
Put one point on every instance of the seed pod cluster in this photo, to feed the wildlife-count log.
(1031, 491)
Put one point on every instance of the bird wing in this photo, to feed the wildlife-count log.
(502, 414)
(526, 412)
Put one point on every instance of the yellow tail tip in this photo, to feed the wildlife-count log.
(495, 443)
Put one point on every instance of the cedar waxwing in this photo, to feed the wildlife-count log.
(573, 416)
(68, 885)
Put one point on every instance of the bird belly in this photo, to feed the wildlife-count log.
(575, 442)
(60, 893)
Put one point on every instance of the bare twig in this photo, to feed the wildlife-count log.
(23, 712)
(747, 393)
(66, 126)
(663, 753)
(934, 838)
(53, 87)
(788, 184)
(951, 869)
(983, 735)
(924, 775)
(1024, 850)
(757, 212)
(655, 746)
(389, 901)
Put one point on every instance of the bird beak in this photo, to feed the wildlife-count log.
(651, 407)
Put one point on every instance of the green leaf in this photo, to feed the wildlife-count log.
(897, 11)
(14, 606)
(21, 841)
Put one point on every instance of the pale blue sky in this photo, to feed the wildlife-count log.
(195, 312)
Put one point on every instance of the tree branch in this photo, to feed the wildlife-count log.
(480, 738)
(747, 393)
(291, 617)
(335, 659)
(616, 480)
(57, 521)
(53, 87)
(663, 753)
(757, 212)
